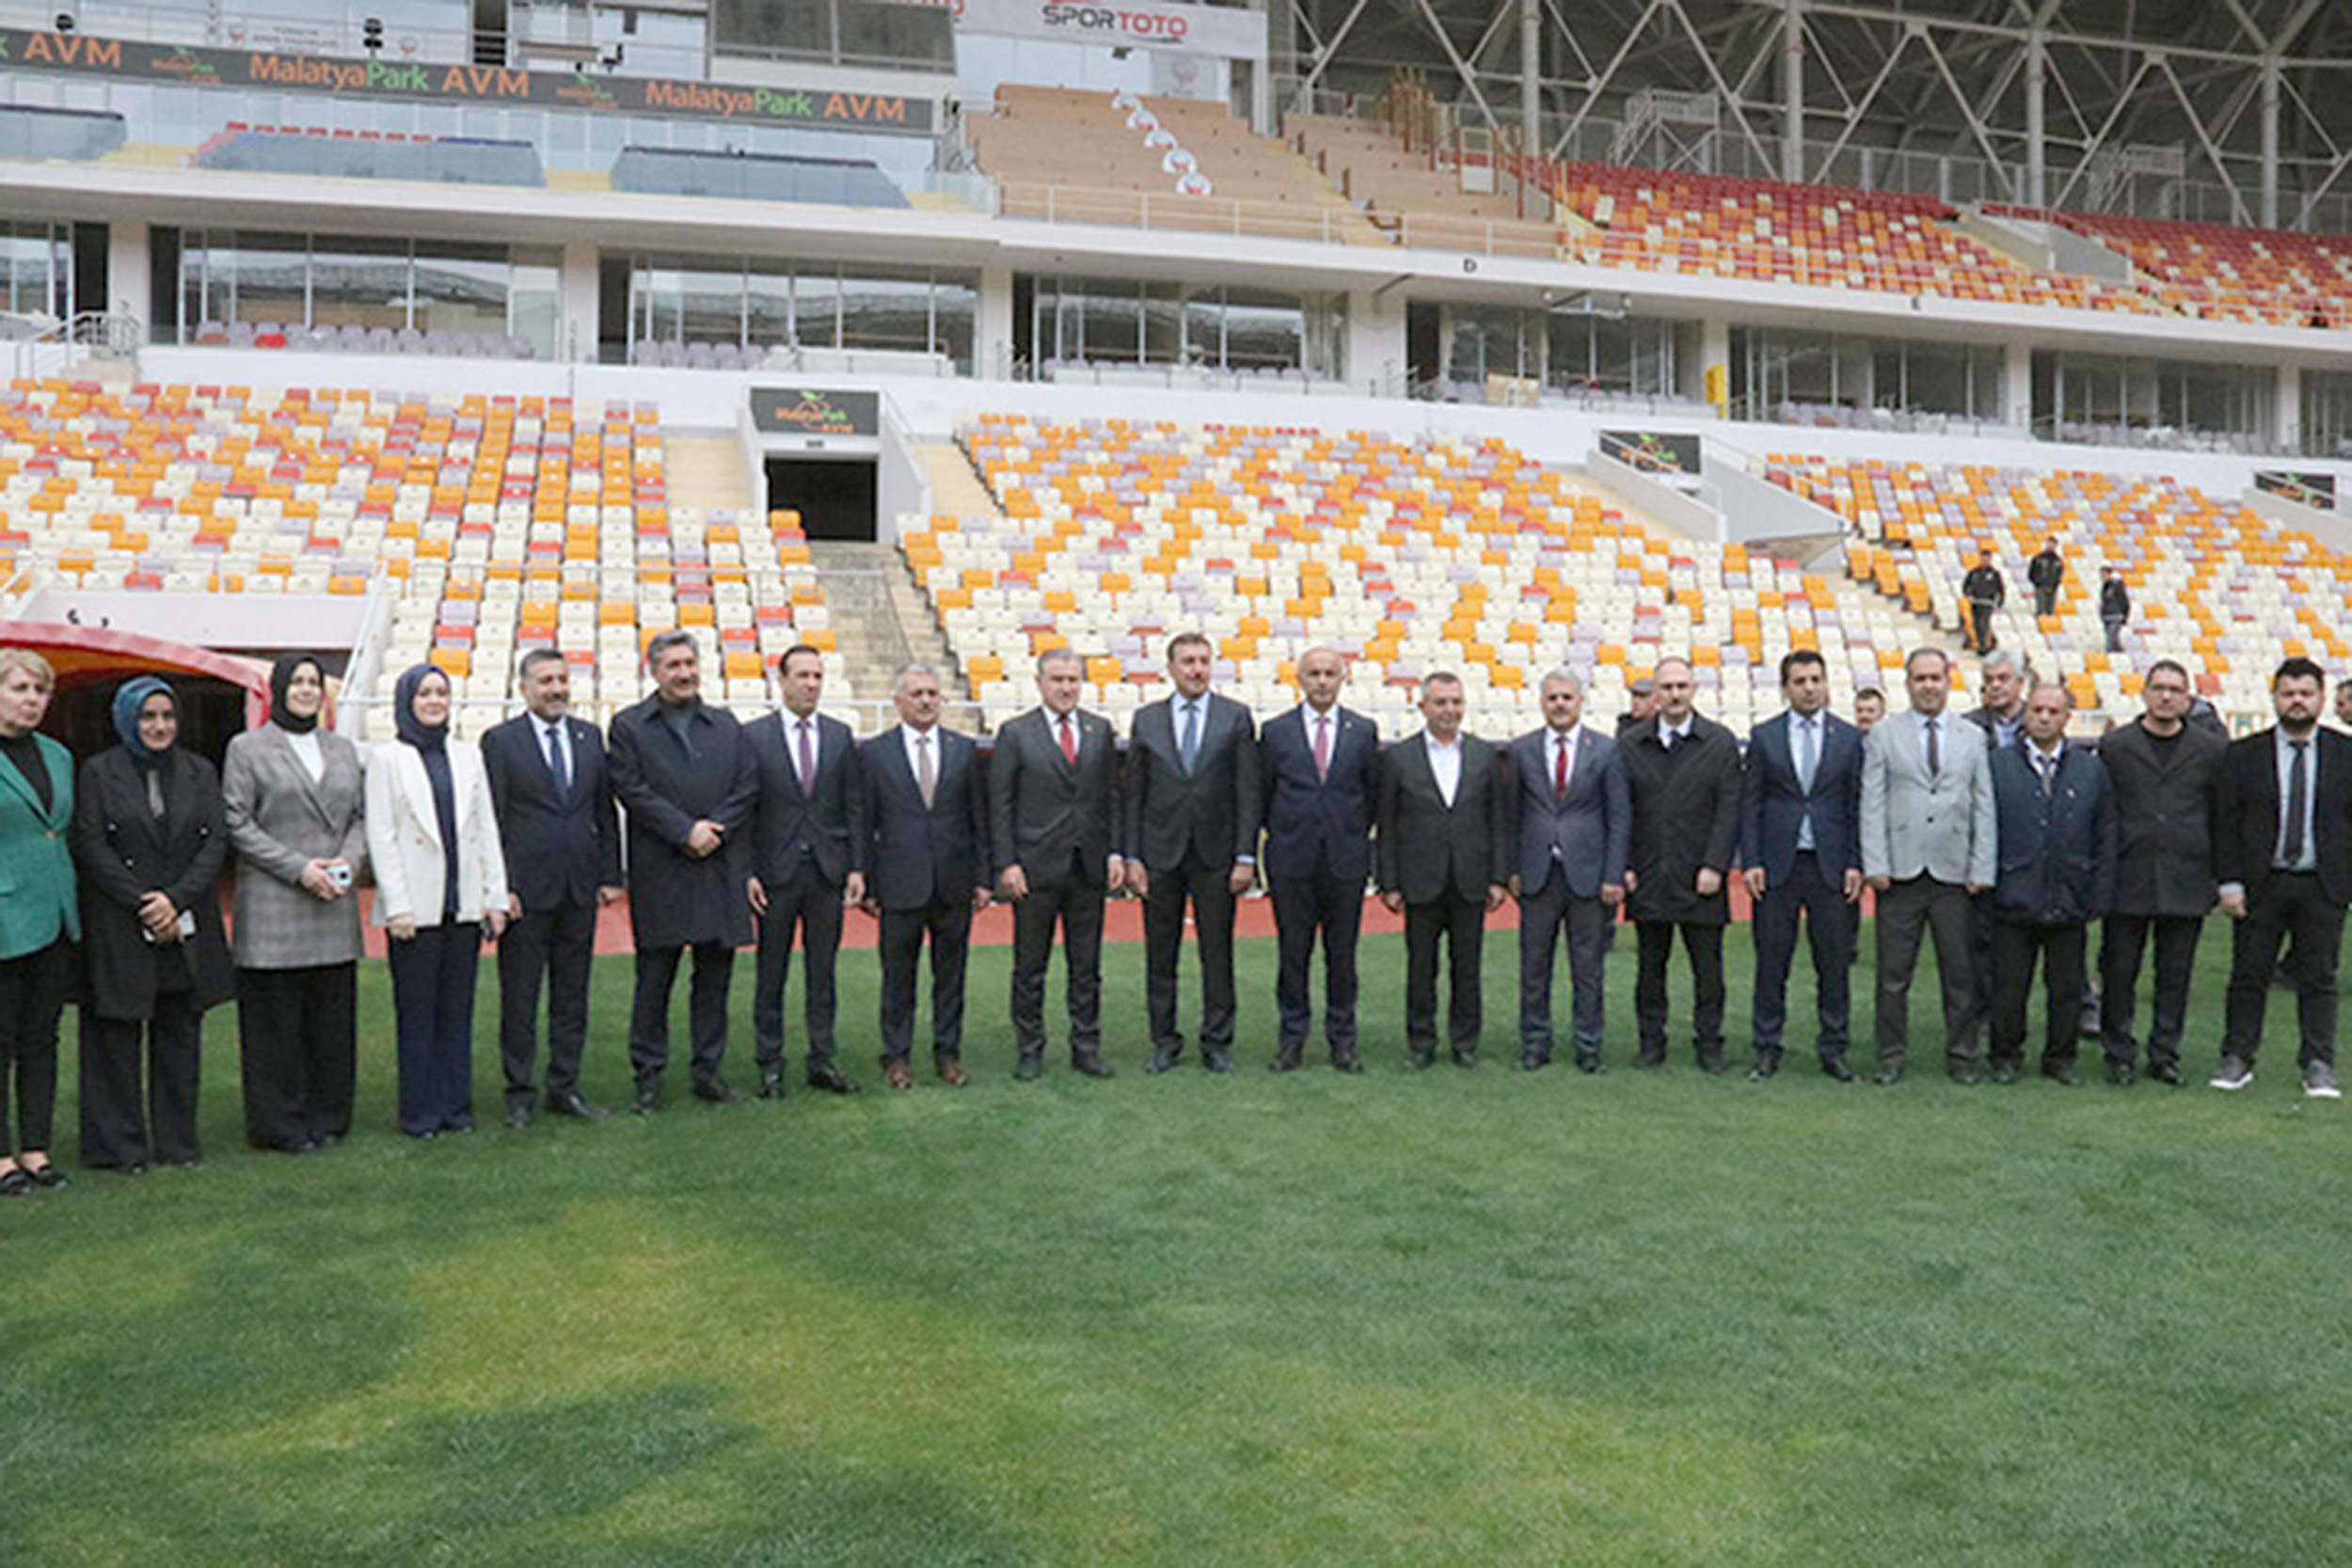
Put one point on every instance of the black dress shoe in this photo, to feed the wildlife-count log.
(717, 1091)
(1090, 1064)
(1028, 1069)
(832, 1080)
(2120, 1073)
(1217, 1061)
(2166, 1072)
(137, 1167)
(1418, 1061)
(182, 1162)
(52, 1177)
(2063, 1072)
(1164, 1059)
(1466, 1058)
(567, 1102)
(1284, 1061)
(1836, 1067)
(1888, 1076)
(1649, 1061)
(322, 1140)
(771, 1086)
(2003, 1072)
(1767, 1064)
(16, 1183)
(647, 1100)
(1346, 1061)
(1533, 1061)
(1589, 1061)
(1713, 1064)
(1969, 1077)
(517, 1117)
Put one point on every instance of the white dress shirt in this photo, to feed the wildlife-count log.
(1445, 761)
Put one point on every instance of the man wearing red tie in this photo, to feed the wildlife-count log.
(1573, 822)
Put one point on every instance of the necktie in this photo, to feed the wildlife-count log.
(1808, 753)
(1069, 742)
(2048, 762)
(2299, 805)
(926, 780)
(1560, 768)
(808, 760)
(557, 763)
(1189, 743)
(1935, 752)
(1323, 747)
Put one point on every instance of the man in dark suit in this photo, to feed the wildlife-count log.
(680, 769)
(2046, 572)
(806, 863)
(1319, 765)
(2054, 812)
(1682, 774)
(1984, 591)
(1191, 797)
(1053, 792)
(1444, 858)
(1572, 823)
(2282, 853)
(1801, 846)
(2162, 769)
(926, 837)
(563, 843)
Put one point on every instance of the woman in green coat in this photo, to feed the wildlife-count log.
(39, 919)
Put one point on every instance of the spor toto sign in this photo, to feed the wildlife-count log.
(1236, 35)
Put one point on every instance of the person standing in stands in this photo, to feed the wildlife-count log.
(925, 833)
(682, 772)
(1573, 823)
(1191, 837)
(1443, 852)
(2115, 608)
(2058, 835)
(440, 882)
(1641, 702)
(807, 862)
(1319, 765)
(2002, 715)
(2162, 769)
(554, 799)
(2046, 573)
(295, 795)
(2282, 853)
(1052, 793)
(1799, 842)
(1682, 776)
(40, 919)
(1985, 592)
(151, 837)
(1869, 706)
(2344, 701)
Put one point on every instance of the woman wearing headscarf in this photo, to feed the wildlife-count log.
(39, 919)
(440, 876)
(294, 791)
(150, 837)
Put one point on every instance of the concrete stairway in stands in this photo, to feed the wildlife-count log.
(880, 623)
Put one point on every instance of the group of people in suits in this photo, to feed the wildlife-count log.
(1987, 833)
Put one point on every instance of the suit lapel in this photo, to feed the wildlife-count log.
(408, 775)
(23, 789)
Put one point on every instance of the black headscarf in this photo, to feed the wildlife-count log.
(281, 675)
(431, 744)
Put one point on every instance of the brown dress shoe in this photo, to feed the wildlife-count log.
(951, 1073)
(895, 1075)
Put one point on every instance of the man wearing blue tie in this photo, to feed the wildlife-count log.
(1799, 845)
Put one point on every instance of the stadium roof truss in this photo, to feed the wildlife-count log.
(2231, 111)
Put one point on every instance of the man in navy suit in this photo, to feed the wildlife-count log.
(563, 844)
(1444, 857)
(806, 863)
(1319, 767)
(925, 832)
(1800, 813)
(1191, 838)
(1573, 821)
(2056, 810)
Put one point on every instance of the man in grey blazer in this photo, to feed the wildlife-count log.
(1191, 836)
(1929, 845)
(1053, 795)
(1572, 820)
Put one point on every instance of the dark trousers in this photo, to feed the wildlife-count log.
(1703, 943)
(2015, 947)
(1545, 916)
(124, 1120)
(557, 946)
(2045, 601)
(2115, 636)
(433, 984)
(803, 902)
(1211, 895)
(1318, 902)
(1073, 902)
(948, 923)
(33, 990)
(1906, 913)
(1981, 618)
(297, 1036)
(1815, 892)
(2122, 941)
(1460, 924)
(2291, 909)
(707, 1011)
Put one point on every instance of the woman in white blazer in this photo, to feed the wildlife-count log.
(440, 876)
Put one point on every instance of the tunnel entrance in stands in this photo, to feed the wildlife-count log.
(835, 495)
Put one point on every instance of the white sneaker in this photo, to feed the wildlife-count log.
(2234, 1075)
(2319, 1083)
